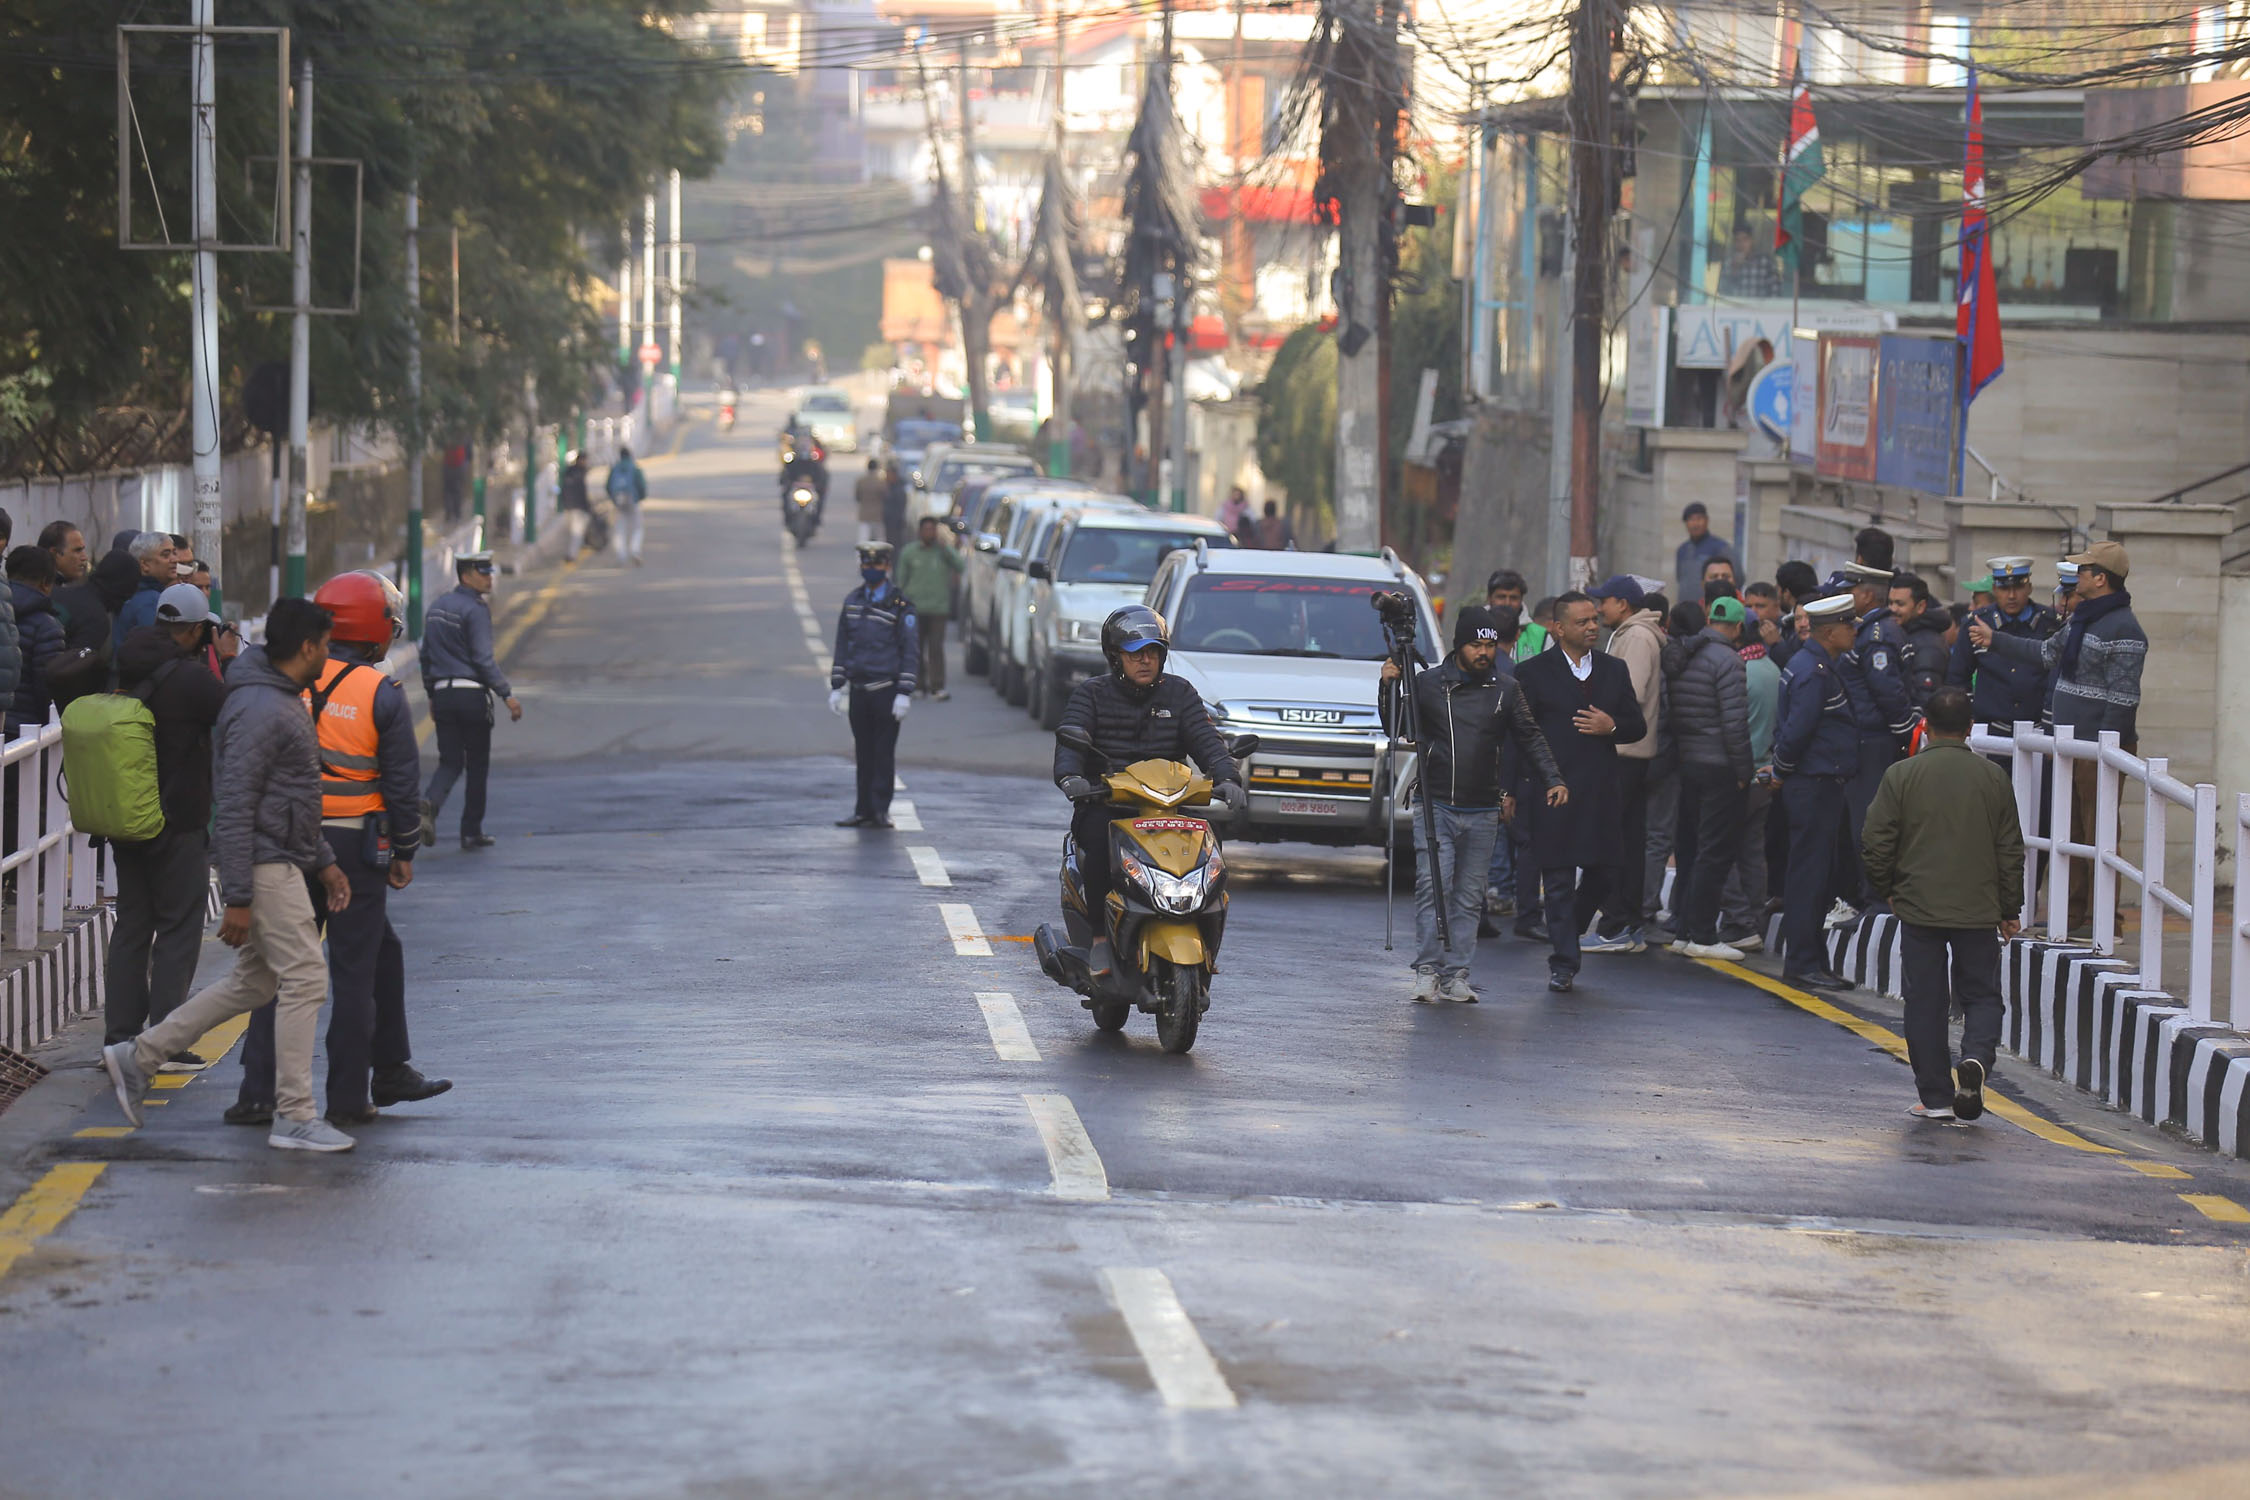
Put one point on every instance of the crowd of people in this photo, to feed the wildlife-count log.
(1679, 771)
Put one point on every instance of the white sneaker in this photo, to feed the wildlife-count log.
(1842, 914)
(1455, 987)
(1942, 1114)
(1724, 952)
(1677, 945)
(1425, 987)
(314, 1134)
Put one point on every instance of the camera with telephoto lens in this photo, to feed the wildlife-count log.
(1396, 608)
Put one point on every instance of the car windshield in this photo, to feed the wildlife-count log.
(1253, 616)
(1116, 555)
(918, 435)
(825, 403)
(954, 470)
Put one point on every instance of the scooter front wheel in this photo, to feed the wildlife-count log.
(1179, 1004)
(1109, 1015)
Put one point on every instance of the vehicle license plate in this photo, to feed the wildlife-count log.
(1306, 807)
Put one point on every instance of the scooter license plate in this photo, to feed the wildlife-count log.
(1307, 807)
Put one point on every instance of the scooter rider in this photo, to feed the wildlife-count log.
(1135, 711)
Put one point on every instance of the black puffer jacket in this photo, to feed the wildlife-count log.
(1926, 654)
(1465, 722)
(1164, 721)
(1710, 699)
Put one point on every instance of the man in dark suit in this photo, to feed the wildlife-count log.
(1584, 703)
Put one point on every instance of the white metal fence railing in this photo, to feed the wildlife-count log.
(2042, 767)
(50, 860)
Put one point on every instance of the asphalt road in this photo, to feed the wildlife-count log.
(756, 1184)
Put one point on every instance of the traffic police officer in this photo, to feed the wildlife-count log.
(370, 772)
(2001, 689)
(461, 679)
(1874, 678)
(872, 680)
(1815, 753)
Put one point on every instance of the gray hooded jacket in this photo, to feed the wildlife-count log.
(267, 785)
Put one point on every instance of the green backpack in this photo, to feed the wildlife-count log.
(109, 762)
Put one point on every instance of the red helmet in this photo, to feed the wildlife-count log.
(367, 607)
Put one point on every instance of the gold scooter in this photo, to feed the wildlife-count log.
(1167, 906)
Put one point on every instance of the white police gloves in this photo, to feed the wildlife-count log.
(839, 701)
(900, 705)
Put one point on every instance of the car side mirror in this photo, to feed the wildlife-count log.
(1038, 569)
(1241, 745)
(988, 543)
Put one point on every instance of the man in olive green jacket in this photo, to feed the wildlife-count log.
(926, 572)
(1943, 845)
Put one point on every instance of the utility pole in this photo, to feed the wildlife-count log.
(300, 341)
(1590, 188)
(203, 349)
(1176, 344)
(412, 562)
(1058, 365)
(625, 303)
(648, 272)
(976, 296)
(673, 292)
(1360, 164)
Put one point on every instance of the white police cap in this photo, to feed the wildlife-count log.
(2009, 569)
(1859, 572)
(1835, 609)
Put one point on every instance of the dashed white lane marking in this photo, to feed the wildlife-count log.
(898, 782)
(904, 815)
(1010, 1037)
(815, 642)
(962, 926)
(1186, 1375)
(1071, 1158)
(927, 864)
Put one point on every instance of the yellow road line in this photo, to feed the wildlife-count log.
(103, 1133)
(2210, 1205)
(2158, 1169)
(1891, 1042)
(42, 1208)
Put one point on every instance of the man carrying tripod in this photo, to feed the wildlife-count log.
(1459, 715)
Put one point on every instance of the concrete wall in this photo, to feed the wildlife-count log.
(1504, 501)
(2105, 414)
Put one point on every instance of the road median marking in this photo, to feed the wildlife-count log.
(905, 817)
(42, 1207)
(1178, 1361)
(1010, 1037)
(2217, 1207)
(927, 866)
(962, 926)
(1071, 1158)
(1891, 1042)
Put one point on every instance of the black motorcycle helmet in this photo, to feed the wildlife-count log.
(1133, 628)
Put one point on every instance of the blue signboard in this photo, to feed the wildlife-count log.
(1772, 391)
(1915, 414)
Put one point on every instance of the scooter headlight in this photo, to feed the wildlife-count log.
(1174, 895)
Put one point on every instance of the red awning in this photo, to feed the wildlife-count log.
(1261, 205)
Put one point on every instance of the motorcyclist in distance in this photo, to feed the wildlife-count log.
(1135, 711)
(807, 460)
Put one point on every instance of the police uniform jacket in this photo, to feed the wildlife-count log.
(369, 761)
(1874, 678)
(1589, 829)
(2005, 689)
(457, 642)
(876, 641)
(1816, 734)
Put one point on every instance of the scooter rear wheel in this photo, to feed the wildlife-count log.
(1179, 1007)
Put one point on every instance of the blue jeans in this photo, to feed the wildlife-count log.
(1502, 876)
(1465, 837)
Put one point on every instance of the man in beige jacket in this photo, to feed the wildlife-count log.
(868, 495)
(1636, 637)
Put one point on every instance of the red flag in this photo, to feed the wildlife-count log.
(1976, 316)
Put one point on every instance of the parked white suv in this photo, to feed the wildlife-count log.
(1095, 563)
(1286, 645)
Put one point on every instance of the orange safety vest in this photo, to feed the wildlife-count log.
(348, 741)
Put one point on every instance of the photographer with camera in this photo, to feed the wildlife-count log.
(1460, 715)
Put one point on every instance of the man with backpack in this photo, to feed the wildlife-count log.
(268, 837)
(370, 781)
(164, 881)
(627, 487)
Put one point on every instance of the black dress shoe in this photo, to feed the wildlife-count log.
(1532, 932)
(345, 1118)
(1561, 980)
(477, 841)
(1821, 979)
(1487, 928)
(248, 1112)
(881, 823)
(856, 820)
(404, 1084)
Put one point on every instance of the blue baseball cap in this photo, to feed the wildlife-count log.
(1624, 586)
